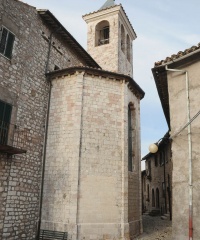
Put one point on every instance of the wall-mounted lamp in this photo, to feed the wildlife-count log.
(153, 148)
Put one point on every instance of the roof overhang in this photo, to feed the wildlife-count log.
(160, 77)
(133, 86)
(56, 26)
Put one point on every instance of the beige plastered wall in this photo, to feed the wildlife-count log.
(178, 114)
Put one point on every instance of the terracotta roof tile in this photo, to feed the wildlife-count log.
(180, 54)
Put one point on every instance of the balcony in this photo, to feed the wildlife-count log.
(12, 138)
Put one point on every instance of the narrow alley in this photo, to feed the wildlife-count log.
(154, 228)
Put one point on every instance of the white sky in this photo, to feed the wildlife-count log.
(163, 28)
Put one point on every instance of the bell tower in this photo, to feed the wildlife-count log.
(109, 38)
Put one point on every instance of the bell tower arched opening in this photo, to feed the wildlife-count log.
(102, 33)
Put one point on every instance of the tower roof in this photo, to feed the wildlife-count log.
(107, 4)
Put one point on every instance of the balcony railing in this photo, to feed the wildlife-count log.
(13, 139)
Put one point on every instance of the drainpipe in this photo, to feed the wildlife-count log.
(45, 137)
(43, 160)
(189, 151)
(165, 182)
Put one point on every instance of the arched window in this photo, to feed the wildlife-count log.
(153, 198)
(157, 198)
(123, 39)
(131, 115)
(130, 143)
(128, 48)
(102, 33)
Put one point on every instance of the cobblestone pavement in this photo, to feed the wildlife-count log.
(154, 228)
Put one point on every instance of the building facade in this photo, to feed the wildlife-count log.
(71, 161)
(99, 145)
(24, 90)
(157, 180)
(177, 81)
(110, 32)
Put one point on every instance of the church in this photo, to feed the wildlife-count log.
(77, 114)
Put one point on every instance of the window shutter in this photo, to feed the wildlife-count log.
(3, 40)
(5, 115)
(9, 46)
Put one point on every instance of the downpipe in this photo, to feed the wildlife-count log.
(189, 151)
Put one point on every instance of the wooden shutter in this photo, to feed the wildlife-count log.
(5, 115)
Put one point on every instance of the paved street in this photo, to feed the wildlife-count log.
(156, 229)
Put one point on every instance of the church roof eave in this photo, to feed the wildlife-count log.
(132, 85)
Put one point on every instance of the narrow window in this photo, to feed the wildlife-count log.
(153, 198)
(162, 158)
(5, 114)
(130, 143)
(6, 42)
(163, 189)
(122, 39)
(157, 198)
(128, 48)
(156, 160)
(148, 192)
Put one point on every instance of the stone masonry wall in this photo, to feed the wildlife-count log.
(155, 179)
(134, 176)
(113, 58)
(86, 177)
(24, 85)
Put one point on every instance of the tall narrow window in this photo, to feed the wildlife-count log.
(130, 140)
(157, 198)
(128, 48)
(153, 198)
(6, 42)
(5, 114)
(148, 192)
(122, 39)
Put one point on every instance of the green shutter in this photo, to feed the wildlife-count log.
(5, 115)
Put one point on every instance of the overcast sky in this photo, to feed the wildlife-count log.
(163, 28)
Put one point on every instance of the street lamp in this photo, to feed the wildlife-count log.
(153, 148)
